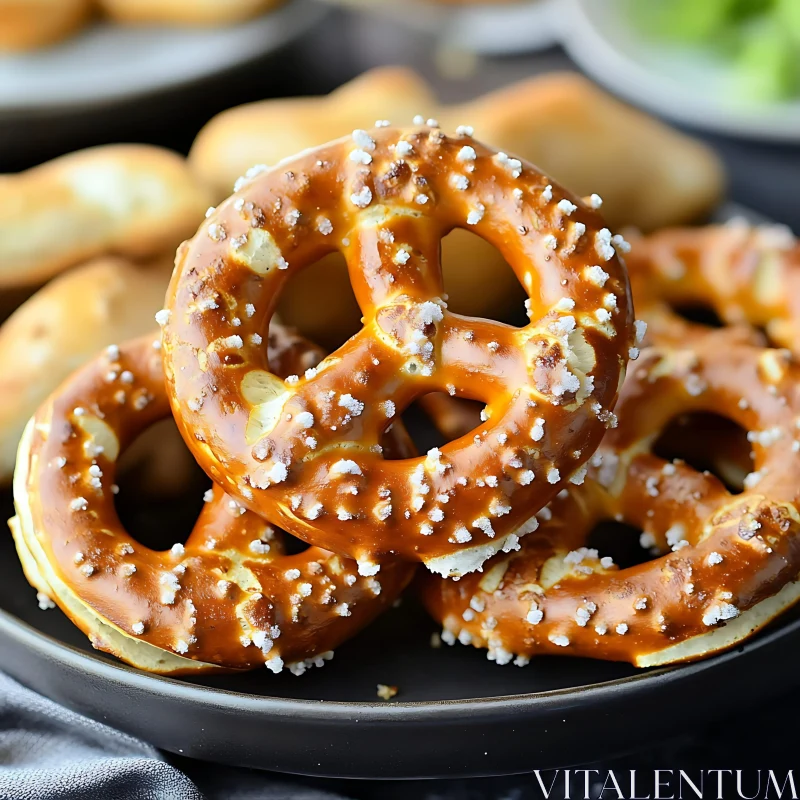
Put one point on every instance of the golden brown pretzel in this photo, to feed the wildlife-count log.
(131, 200)
(748, 275)
(26, 24)
(732, 560)
(230, 598)
(61, 327)
(299, 451)
(647, 174)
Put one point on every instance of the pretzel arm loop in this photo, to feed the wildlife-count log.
(684, 499)
(229, 598)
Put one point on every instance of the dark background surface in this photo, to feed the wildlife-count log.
(764, 177)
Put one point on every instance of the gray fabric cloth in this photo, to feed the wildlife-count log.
(50, 753)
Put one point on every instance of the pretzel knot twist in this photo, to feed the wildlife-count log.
(230, 598)
(748, 275)
(731, 562)
(302, 452)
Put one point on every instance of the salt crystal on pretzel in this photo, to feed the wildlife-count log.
(727, 565)
(563, 368)
(230, 598)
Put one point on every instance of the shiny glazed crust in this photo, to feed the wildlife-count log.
(731, 560)
(130, 200)
(303, 452)
(230, 598)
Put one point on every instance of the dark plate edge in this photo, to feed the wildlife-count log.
(51, 648)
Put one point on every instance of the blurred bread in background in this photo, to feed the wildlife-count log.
(27, 24)
(648, 174)
(270, 130)
(65, 324)
(32, 24)
(185, 12)
(102, 226)
(131, 200)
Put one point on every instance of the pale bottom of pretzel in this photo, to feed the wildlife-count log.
(472, 559)
(735, 631)
(43, 578)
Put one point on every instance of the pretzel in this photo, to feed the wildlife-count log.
(748, 275)
(231, 598)
(296, 451)
(27, 24)
(732, 560)
(185, 12)
(131, 200)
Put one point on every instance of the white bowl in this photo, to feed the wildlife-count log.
(694, 88)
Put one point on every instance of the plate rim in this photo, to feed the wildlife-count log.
(282, 25)
(90, 664)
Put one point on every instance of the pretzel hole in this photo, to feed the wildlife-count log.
(160, 487)
(477, 277)
(448, 418)
(291, 545)
(319, 302)
(620, 541)
(699, 314)
(708, 442)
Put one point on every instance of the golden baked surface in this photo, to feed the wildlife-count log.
(230, 597)
(731, 560)
(303, 452)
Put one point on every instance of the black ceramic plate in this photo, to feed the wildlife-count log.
(456, 714)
